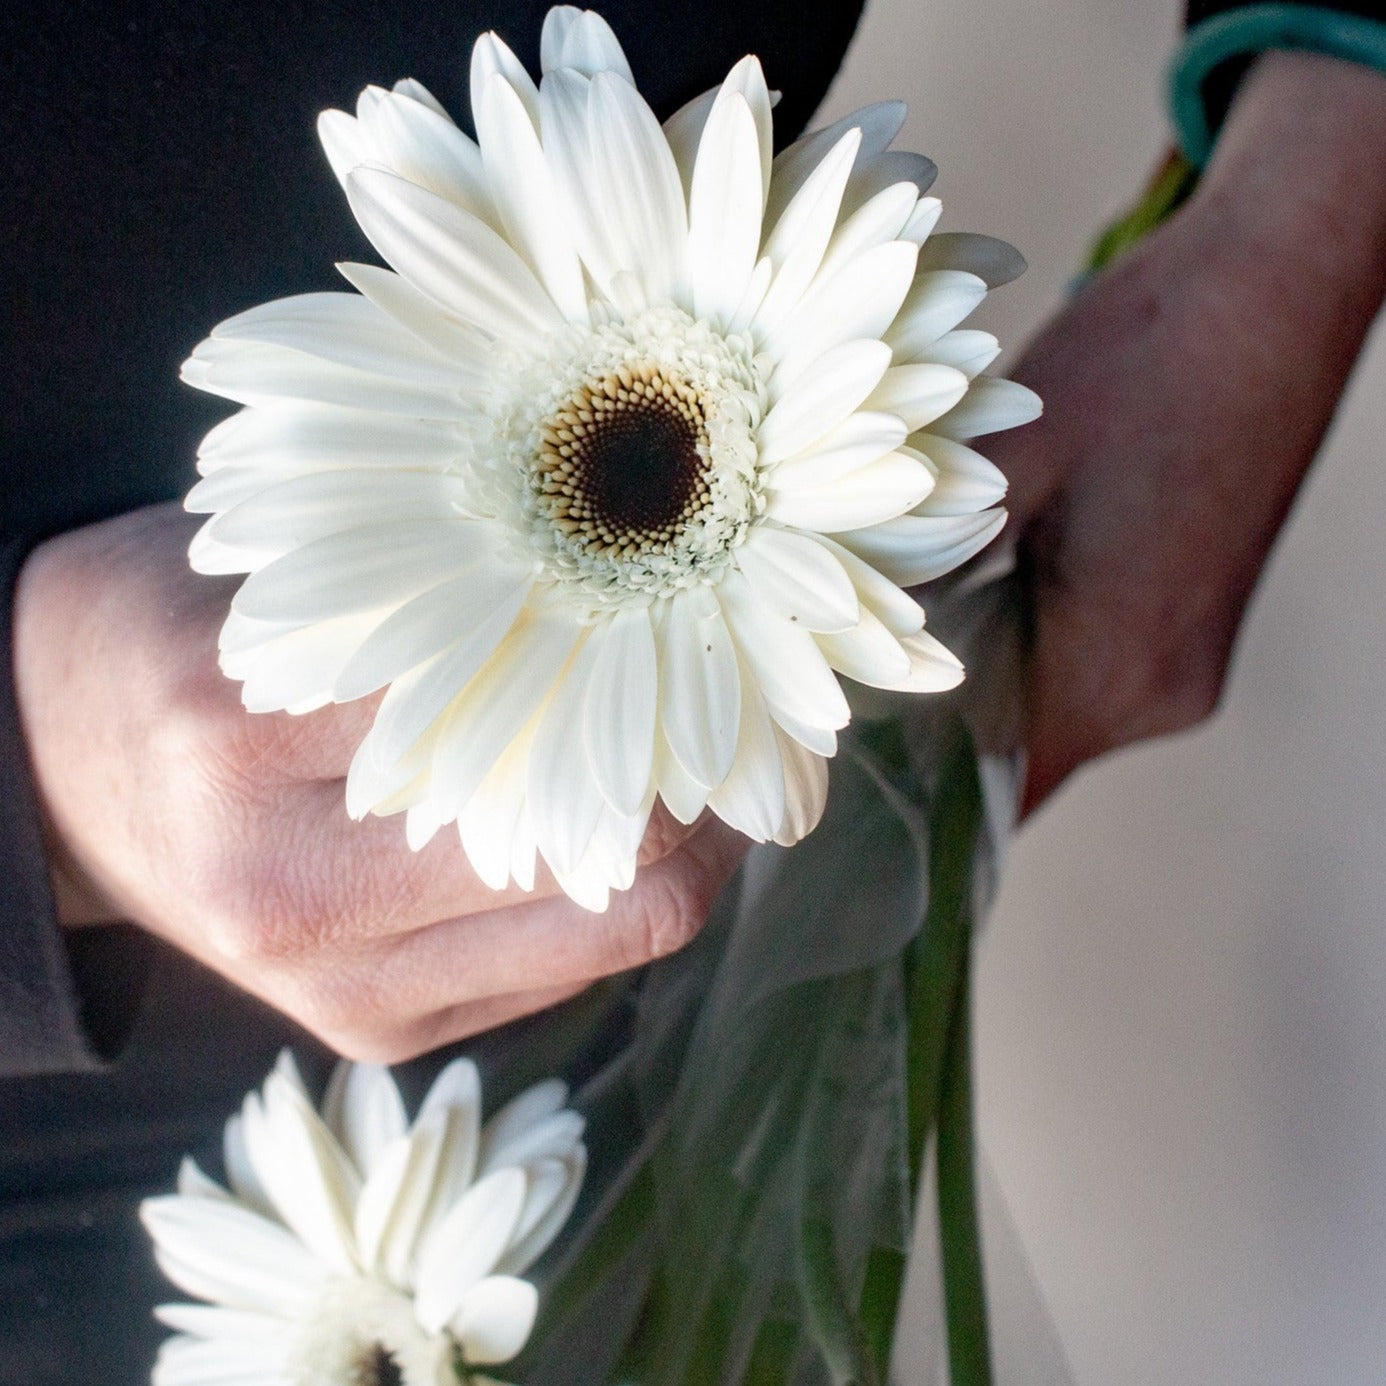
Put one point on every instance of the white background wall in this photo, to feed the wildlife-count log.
(1182, 993)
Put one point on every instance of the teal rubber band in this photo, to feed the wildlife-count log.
(1255, 29)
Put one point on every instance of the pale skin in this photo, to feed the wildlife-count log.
(1186, 392)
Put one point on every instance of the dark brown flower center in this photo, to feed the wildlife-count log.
(379, 1368)
(624, 463)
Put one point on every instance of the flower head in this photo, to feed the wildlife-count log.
(624, 460)
(354, 1248)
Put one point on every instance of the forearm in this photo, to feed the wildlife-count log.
(1186, 392)
(1298, 186)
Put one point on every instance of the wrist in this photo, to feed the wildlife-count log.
(1299, 172)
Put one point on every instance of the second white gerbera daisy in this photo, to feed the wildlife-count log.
(625, 460)
(356, 1248)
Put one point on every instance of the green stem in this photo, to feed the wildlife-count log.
(936, 978)
(964, 1288)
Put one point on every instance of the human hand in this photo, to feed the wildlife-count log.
(1186, 391)
(226, 833)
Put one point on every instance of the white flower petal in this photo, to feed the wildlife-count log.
(534, 1242)
(805, 789)
(362, 568)
(922, 220)
(966, 350)
(636, 188)
(363, 1109)
(881, 490)
(345, 142)
(937, 302)
(933, 668)
(800, 235)
(879, 124)
(747, 80)
(524, 193)
(724, 210)
(295, 671)
(867, 653)
(990, 406)
(821, 398)
(799, 578)
(509, 1140)
(259, 373)
(894, 608)
(495, 826)
(552, 1192)
(427, 624)
(240, 1173)
(873, 175)
(466, 1245)
(858, 301)
(294, 513)
(416, 700)
(424, 146)
(568, 150)
(193, 1183)
(217, 1321)
(375, 1207)
(467, 350)
(416, 91)
(495, 1318)
(919, 394)
(395, 1205)
(751, 798)
(238, 1362)
(877, 222)
(451, 256)
(966, 482)
(915, 549)
(565, 799)
(502, 696)
(822, 741)
(312, 437)
(457, 1091)
(683, 796)
(530, 1108)
(613, 851)
(684, 132)
(789, 669)
(618, 718)
(583, 40)
(344, 328)
(230, 1255)
(303, 1170)
(994, 261)
(700, 690)
(490, 56)
(860, 439)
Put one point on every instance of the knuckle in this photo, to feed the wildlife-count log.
(263, 902)
(663, 835)
(345, 1008)
(670, 910)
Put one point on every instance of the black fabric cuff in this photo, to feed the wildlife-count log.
(1199, 10)
(1222, 85)
(67, 998)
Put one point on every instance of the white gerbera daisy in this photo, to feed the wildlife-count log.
(354, 1248)
(630, 455)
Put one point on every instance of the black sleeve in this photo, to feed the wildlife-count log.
(1205, 9)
